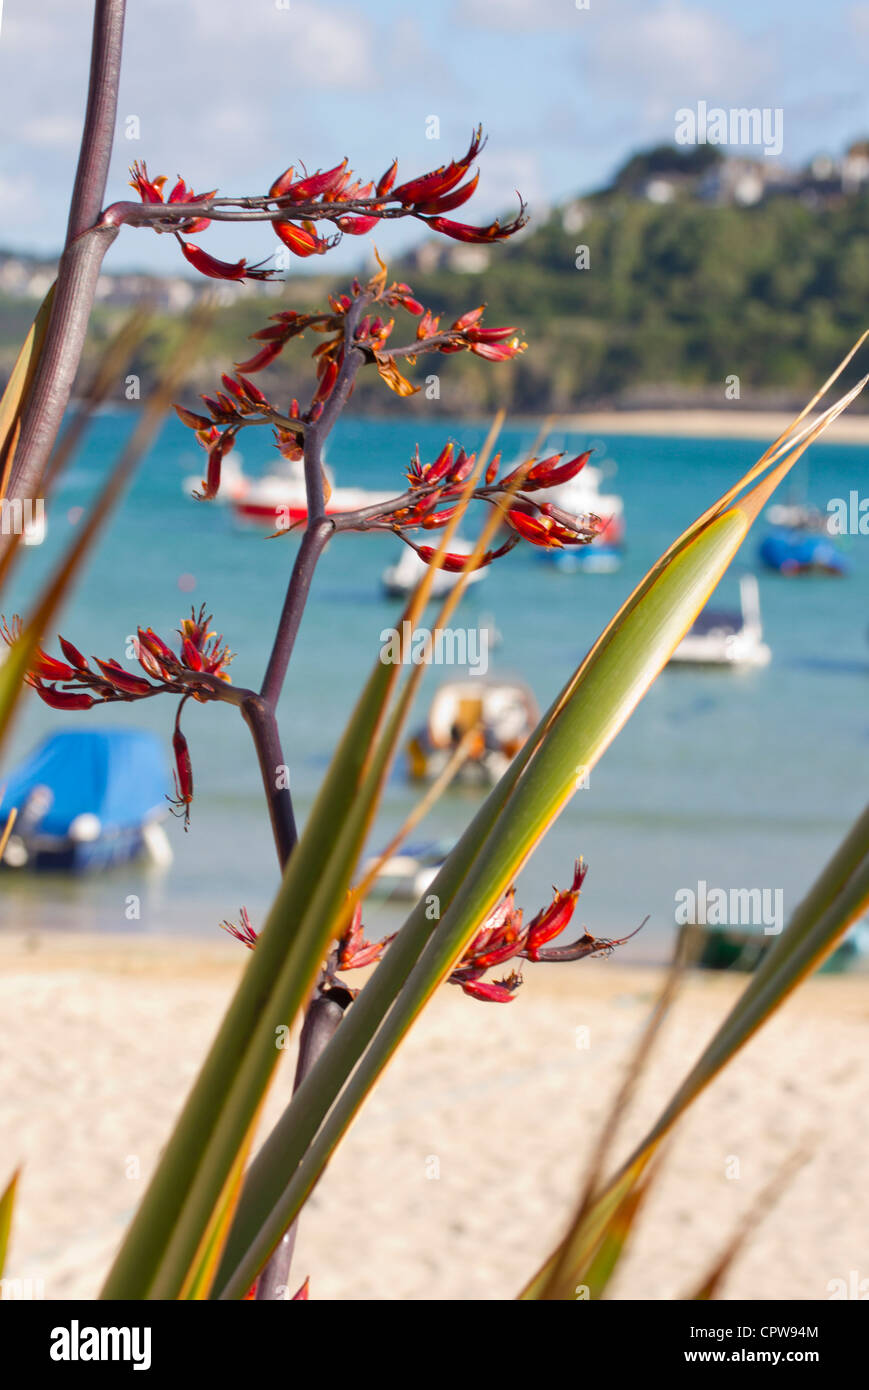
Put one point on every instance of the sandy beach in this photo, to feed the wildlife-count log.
(710, 424)
(462, 1170)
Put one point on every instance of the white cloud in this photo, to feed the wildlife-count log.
(660, 57)
(516, 16)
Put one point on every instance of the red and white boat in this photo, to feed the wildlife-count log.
(278, 500)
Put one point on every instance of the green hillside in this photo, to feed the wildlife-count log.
(676, 298)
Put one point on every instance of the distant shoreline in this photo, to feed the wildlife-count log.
(763, 425)
(676, 423)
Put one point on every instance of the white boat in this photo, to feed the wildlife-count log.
(279, 500)
(498, 714)
(727, 638)
(401, 579)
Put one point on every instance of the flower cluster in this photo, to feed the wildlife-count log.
(294, 205)
(241, 403)
(501, 938)
(352, 952)
(151, 192)
(431, 502)
(195, 671)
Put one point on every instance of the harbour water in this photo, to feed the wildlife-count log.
(734, 779)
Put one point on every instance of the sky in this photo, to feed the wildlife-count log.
(229, 92)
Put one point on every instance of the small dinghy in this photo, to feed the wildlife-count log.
(791, 551)
(406, 874)
(727, 638)
(87, 800)
(496, 716)
(584, 559)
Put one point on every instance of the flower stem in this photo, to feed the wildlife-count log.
(322, 1019)
(80, 263)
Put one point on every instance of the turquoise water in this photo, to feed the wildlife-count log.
(739, 779)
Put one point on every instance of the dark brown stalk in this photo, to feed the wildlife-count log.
(99, 122)
(319, 528)
(324, 1014)
(327, 1006)
(80, 263)
(260, 719)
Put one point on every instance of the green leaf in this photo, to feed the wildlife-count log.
(7, 1206)
(162, 1242)
(14, 397)
(836, 900)
(570, 739)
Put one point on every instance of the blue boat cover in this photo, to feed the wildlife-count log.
(782, 549)
(119, 775)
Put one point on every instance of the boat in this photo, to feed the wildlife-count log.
(497, 714)
(279, 500)
(401, 579)
(797, 516)
(741, 948)
(798, 550)
(86, 800)
(722, 637)
(584, 559)
(406, 875)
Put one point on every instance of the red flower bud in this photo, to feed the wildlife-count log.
(222, 270)
(191, 420)
(439, 181)
(315, 185)
(73, 655)
(263, 358)
(450, 201)
(191, 654)
(356, 226)
(124, 680)
(493, 992)
(462, 231)
(549, 472)
(63, 699)
(49, 668)
(300, 241)
(385, 182)
(183, 776)
(280, 185)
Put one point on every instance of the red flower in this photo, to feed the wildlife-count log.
(244, 933)
(353, 950)
(151, 191)
(463, 231)
(301, 241)
(552, 920)
(124, 680)
(183, 776)
(440, 181)
(48, 668)
(222, 270)
(63, 699)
